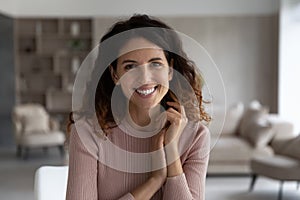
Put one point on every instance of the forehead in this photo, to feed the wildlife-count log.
(140, 47)
(143, 55)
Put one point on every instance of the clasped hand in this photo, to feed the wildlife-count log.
(169, 135)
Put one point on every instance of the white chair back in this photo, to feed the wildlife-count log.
(51, 183)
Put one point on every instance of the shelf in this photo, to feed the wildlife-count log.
(49, 52)
(62, 36)
(58, 101)
(38, 98)
(27, 45)
(34, 26)
(77, 26)
(53, 45)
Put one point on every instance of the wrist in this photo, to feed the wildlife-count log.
(157, 180)
(171, 153)
(174, 166)
(147, 189)
(174, 169)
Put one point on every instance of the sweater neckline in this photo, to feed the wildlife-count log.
(129, 128)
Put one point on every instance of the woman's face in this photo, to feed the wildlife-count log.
(143, 74)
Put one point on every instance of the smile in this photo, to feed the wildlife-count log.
(146, 92)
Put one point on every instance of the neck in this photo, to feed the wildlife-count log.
(143, 117)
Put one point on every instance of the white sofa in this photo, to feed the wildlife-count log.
(247, 132)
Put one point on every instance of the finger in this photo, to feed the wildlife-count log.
(173, 118)
(182, 111)
(179, 108)
(172, 110)
(179, 115)
(176, 105)
(182, 114)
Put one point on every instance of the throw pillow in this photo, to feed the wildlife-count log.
(254, 125)
(259, 134)
(226, 123)
(254, 113)
(232, 119)
(32, 118)
(35, 123)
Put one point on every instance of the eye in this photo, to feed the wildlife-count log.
(129, 66)
(156, 64)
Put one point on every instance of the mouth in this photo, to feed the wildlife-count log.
(146, 91)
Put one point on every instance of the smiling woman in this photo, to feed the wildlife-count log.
(148, 103)
(144, 77)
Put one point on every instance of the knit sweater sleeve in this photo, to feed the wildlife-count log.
(82, 178)
(83, 172)
(191, 184)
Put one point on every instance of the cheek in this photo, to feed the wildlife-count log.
(127, 83)
(162, 78)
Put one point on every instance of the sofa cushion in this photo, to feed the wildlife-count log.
(235, 149)
(231, 119)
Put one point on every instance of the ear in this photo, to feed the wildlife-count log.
(113, 74)
(171, 69)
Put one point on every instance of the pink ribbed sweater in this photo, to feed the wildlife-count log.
(90, 179)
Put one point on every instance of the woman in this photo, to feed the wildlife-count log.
(148, 102)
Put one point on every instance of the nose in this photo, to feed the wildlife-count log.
(144, 74)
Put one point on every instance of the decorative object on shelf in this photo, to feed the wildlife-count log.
(76, 44)
(23, 84)
(75, 28)
(70, 87)
(28, 46)
(75, 64)
(38, 28)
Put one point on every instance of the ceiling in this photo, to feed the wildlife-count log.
(88, 8)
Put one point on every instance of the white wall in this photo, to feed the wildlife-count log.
(128, 7)
(289, 62)
(8, 7)
(244, 49)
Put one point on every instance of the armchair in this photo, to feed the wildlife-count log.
(284, 165)
(33, 128)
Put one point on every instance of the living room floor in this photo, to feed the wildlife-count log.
(17, 178)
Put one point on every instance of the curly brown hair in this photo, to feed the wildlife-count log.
(162, 36)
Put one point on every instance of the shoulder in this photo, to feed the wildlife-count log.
(202, 135)
(196, 131)
(83, 137)
(196, 139)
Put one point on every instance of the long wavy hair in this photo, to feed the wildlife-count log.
(163, 37)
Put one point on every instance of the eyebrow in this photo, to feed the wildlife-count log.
(129, 61)
(154, 59)
(133, 61)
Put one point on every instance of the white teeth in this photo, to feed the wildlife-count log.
(146, 92)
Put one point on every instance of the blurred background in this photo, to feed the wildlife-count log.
(254, 43)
